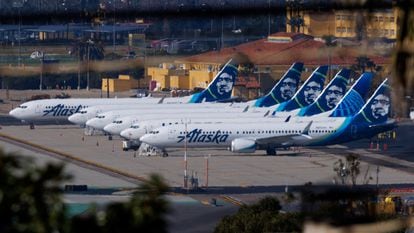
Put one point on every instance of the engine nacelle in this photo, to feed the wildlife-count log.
(241, 145)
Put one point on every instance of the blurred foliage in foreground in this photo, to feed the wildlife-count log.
(31, 201)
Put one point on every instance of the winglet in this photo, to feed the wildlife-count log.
(267, 113)
(161, 100)
(246, 108)
(288, 118)
(306, 130)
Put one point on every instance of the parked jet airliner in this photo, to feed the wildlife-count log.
(103, 119)
(293, 73)
(124, 122)
(353, 101)
(84, 115)
(371, 119)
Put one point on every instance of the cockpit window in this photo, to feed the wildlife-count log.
(23, 106)
(100, 117)
(135, 126)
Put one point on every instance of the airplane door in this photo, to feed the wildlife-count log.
(171, 133)
(354, 131)
(38, 108)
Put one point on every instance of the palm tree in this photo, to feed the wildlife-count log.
(363, 62)
(87, 49)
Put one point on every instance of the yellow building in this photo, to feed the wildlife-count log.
(123, 83)
(184, 76)
(344, 24)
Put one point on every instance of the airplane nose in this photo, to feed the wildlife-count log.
(91, 123)
(13, 113)
(126, 133)
(109, 129)
(75, 119)
(16, 114)
(147, 138)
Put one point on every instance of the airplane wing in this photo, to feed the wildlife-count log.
(287, 139)
(161, 100)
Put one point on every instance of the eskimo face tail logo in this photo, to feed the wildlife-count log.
(61, 110)
(380, 106)
(288, 88)
(224, 83)
(198, 135)
(312, 91)
(333, 95)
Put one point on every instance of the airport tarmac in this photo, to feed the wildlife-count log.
(233, 179)
(225, 169)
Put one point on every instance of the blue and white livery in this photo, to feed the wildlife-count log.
(247, 137)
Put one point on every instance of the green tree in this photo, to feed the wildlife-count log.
(86, 50)
(348, 169)
(30, 196)
(264, 216)
(145, 212)
(31, 201)
(362, 63)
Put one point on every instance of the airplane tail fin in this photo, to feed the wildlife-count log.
(284, 89)
(377, 108)
(354, 99)
(330, 96)
(221, 87)
(309, 91)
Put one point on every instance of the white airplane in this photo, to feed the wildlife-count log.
(143, 127)
(283, 86)
(371, 119)
(103, 119)
(86, 114)
(353, 101)
(281, 89)
(60, 109)
(123, 123)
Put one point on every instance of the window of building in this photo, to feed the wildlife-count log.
(338, 17)
(381, 19)
(392, 19)
(392, 32)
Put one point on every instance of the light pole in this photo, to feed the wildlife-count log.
(41, 56)
(268, 18)
(89, 43)
(41, 70)
(19, 4)
(79, 69)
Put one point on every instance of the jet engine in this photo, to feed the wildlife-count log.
(241, 145)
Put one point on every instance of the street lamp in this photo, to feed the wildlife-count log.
(19, 4)
(89, 43)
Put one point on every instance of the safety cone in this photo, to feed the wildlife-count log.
(385, 146)
(377, 145)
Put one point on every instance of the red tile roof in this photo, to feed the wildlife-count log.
(304, 48)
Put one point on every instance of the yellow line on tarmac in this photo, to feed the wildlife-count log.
(69, 156)
(232, 200)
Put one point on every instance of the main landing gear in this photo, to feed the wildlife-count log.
(271, 151)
